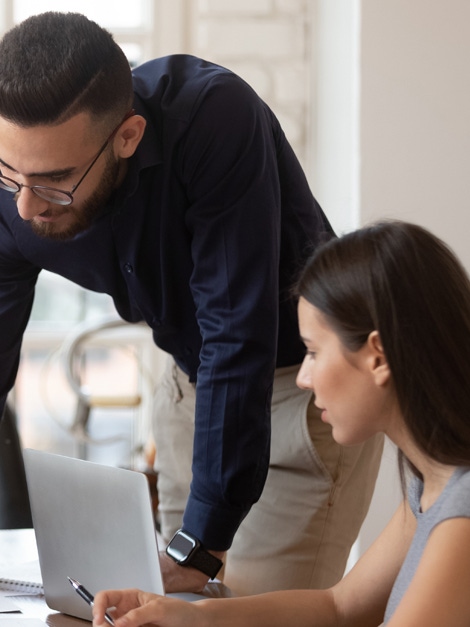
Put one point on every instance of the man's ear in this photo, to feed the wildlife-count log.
(377, 361)
(128, 136)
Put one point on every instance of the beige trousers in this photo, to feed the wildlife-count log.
(317, 493)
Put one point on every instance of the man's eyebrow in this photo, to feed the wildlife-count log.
(47, 174)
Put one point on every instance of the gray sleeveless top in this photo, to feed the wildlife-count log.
(453, 502)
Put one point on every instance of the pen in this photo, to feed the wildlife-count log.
(88, 597)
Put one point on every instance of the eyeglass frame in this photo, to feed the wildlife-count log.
(69, 194)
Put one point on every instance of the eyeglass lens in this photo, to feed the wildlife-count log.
(46, 193)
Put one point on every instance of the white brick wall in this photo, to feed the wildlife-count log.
(267, 42)
(240, 7)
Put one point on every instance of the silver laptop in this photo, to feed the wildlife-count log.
(93, 523)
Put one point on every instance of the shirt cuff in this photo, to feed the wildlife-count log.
(213, 525)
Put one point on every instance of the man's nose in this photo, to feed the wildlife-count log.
(29, 205)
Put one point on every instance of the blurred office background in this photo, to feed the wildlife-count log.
(374, 97)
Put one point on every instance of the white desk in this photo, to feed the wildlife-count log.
(18, 546)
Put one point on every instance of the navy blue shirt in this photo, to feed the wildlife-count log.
(202, 241)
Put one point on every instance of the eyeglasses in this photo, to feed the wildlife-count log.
(51, 194)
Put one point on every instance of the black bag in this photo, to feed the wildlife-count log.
(15, 511)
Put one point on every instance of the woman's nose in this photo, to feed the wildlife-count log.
(304, 378)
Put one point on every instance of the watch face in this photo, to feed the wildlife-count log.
(181, 547)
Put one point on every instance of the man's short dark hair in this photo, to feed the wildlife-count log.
(55, 65)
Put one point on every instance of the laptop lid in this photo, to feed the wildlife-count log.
(93, 523)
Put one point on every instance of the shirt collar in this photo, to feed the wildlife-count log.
(148, 153)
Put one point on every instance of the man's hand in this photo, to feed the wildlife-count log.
(183, 578)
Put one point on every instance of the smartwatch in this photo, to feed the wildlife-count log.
(186, 550)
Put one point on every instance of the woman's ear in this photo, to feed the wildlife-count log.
(377, 361)
(129, 135)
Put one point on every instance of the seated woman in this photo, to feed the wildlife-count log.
(384, 313)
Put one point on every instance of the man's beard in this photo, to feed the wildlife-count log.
(84, 215)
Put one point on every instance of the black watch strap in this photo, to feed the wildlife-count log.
(205, 562)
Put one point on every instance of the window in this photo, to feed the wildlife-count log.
(45, 405)
(58, 301)
(132, 28)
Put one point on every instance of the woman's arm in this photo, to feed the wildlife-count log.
(439, 593)
(296, 607)
(361, 596)
(359, 600)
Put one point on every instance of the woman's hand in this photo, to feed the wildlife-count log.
(134, 608)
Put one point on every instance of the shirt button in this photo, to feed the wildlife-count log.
(128, 268)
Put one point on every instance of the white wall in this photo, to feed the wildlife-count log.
(267, 42)
(414, 115)
(414, 139)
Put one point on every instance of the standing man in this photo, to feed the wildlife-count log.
(174, 190)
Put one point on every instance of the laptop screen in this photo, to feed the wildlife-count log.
(93, 523)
